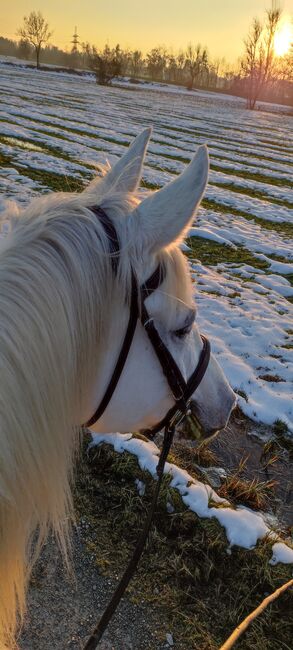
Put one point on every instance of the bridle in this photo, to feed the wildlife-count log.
(181, 391)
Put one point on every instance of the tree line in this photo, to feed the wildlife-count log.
(259, 73)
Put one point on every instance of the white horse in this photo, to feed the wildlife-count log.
(63, 317)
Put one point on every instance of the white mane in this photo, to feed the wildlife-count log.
(57, 295)
(56, 291)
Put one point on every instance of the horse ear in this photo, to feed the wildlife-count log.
(165, 215)
(126, 174)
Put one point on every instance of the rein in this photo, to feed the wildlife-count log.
(182, 392)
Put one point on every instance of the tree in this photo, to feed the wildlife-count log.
(35, 31)
(124, 58)
(196, 63)
(106, 64)
(281, 82)
(24, 50)
(258, 60)
(136, 63)
(180, 60)
(156, 63)
(8, 47)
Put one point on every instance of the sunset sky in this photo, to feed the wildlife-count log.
(143, 24)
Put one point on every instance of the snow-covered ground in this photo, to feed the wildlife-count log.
(243, 526)
(57, 125)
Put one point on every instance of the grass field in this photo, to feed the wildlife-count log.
(55, 130)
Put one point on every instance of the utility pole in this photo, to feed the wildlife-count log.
(75, 42)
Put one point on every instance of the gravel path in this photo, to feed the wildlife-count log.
(63, 610)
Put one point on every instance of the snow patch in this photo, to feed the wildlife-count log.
(243, 526)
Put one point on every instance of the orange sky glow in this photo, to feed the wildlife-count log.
(221, 25)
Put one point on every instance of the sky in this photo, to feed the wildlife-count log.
(221, 25)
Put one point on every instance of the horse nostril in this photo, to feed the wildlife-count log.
(211, 423)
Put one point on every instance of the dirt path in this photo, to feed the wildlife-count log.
(62, 611)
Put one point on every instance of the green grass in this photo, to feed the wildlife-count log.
(196, 589)
(211, 253)
(254, 176)
(276, 147)
(284, 227)
(221, 138)
(250, 191)
(50, 180)
(236, 188)
(28, 144)
(72, 129)
(248, 162)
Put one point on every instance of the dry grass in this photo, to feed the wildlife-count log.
(253, 493)
(198, 590)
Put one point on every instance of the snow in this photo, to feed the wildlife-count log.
(140, 486)
(243, 527)
(209, 94)
(207, 234)
(281, 553)
(252, 343)
(277, 267)
(68, 125)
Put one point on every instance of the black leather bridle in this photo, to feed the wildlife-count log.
(181, 390)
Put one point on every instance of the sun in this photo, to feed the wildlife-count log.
(283, 39)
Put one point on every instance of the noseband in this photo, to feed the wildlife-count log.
(181, 390)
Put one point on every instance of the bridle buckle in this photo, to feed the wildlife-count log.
(179, 416)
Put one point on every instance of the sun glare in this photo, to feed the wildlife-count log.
(283, 39)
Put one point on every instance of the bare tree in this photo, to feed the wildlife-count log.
(196, 62)
(281, 82)
(136, 63)
(156, 61)
(24, 50)
(258, 60)
(35, 31)
(106, 64)
(284, 67)
(180, 65)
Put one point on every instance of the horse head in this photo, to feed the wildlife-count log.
(152, 233)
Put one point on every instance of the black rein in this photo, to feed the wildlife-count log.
(180, 389)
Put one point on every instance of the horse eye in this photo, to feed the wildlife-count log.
(183, 331)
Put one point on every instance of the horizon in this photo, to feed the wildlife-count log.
(219, 27)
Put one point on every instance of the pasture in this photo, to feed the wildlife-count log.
(55, 131)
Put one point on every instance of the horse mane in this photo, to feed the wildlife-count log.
(57, 290)
(58, 293)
